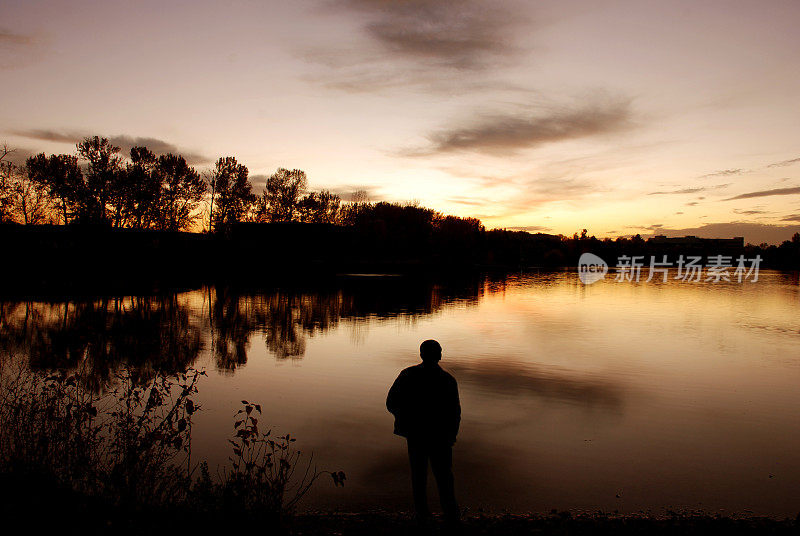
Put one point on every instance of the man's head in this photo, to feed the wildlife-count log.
(430, 351)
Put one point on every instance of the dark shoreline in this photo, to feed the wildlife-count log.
(69, 512)
(87, 518)
(256, 254)
(561, 523)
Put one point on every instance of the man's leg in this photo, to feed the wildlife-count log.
(418, 456)
(442, 465)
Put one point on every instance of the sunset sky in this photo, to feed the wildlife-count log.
(621, 117)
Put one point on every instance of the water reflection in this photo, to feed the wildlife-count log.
(515, 380)
(167, 333)
(143, 334)
(682, 395)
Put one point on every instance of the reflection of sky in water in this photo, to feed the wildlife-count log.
(670, 395)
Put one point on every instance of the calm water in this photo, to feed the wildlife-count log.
(611, 396)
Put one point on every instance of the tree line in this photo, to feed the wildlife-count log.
(98, 185)
(101, 186)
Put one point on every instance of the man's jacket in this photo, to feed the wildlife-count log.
(425, 405)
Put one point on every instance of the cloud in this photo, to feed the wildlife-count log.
(8, 38)
(765, 193)
(345, 192)
(503, 134)
(792, 217)
(17, 49)
(692, 204)
(485, 180)
(724, 173)
(469, 201)
(355, 192)
(124, 142)
(753, 233)
(682, 191)
(18, 155)
(691, 190)
(530, 228)
(159, 147)
(50, 135)
(462, 34)
(558, 189)
(259, 182)
(434, 44)
(784, 163)
(523, 192)
(749, 212)
(534, 192)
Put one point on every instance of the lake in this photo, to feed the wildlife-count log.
(614, 396)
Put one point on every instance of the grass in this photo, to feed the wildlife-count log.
(124, 457)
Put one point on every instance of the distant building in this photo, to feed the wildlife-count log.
(694, 241)
(546, 237)
(696, 246)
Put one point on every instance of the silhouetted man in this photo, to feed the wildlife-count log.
(424, 402)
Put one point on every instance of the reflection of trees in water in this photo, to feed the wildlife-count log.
(149, 334)
(231, 326)
(144, 334)
(287, 317)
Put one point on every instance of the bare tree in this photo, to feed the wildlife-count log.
(32, 204)
(6, 185)
(209, 177)
(21, 199)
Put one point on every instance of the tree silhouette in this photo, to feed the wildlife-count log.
(322, 207)
(232, 196)
(6, 184)
(142, 188)
(31, 204)
(279, 203)
(181, 191)
(63, 178)
(103, 181)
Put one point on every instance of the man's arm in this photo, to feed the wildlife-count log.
(394, 400)
(455, 410)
